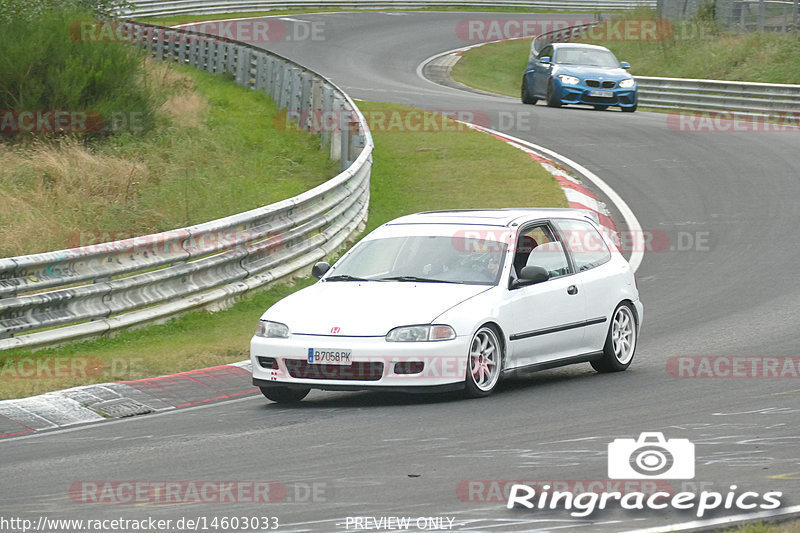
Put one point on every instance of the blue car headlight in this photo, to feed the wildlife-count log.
(627, 84)
(568, 80)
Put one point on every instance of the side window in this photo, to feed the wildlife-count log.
(551, 257)
(588, 248)
(546, 52)
(537, 245)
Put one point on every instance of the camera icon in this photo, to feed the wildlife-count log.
(651, 457)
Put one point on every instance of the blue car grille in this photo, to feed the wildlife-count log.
(596, 84)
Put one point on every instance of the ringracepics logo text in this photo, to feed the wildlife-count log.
(651, 456)
(586, 503)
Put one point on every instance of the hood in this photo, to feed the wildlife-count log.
(582, 71)
(367, 308)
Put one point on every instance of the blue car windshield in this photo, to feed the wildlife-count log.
(589, 57)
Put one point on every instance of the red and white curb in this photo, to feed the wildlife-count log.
(93, 403)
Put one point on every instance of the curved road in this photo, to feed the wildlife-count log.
(735, 292)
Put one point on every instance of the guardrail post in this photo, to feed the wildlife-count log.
(278, 72)
(159, 36)
(149, 41)
(286, 86)
(182, 46)
(305, 104)
(232, 56)
(194, 53)
(209, 53)
(243, 67)
(326, 108)
(261, 72)
(220, 65)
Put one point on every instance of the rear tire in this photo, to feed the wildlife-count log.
(484, 363)
(526, 96)
(621, 341)
(601, 107)
(552, 101)
(284, 394)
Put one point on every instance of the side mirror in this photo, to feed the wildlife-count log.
(545, 60)
(320, 269)
(530, 275)
(625, 65)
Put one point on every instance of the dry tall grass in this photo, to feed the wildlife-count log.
(50, 191)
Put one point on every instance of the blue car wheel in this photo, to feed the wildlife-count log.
(552, 98)
(527, 97)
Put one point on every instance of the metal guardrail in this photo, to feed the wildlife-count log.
(91, 290)
(736, 97)
(160, 8)
(563, 35)
(755, 99)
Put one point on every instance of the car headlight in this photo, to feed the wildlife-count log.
(568, 80)
(627, 84)
(272, 330)
(435, 332)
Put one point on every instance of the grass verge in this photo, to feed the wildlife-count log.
(413, 171)
(694, 49)
(495, 67)
(210, 156)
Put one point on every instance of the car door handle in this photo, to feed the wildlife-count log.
(572, 289)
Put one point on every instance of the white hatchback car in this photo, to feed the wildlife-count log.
(453, 300)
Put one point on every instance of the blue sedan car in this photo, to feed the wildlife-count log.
(568, 73)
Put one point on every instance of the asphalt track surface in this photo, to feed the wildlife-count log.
(371, 454)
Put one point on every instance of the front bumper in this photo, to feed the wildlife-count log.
(581, 94)
(375, 364)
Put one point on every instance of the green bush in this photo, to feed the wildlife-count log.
(45, 67)
(34, 8)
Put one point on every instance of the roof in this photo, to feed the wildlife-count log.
(578, 45)
(491, 217)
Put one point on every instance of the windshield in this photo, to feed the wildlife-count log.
(443, 259)
(590, 57)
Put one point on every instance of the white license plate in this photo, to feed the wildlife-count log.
(325, 356)
(601, 94)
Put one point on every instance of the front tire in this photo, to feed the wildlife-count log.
(484, 363)
(630, 109)
(552, 101)
(620, 342)
(284, 394)
(526, 96)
